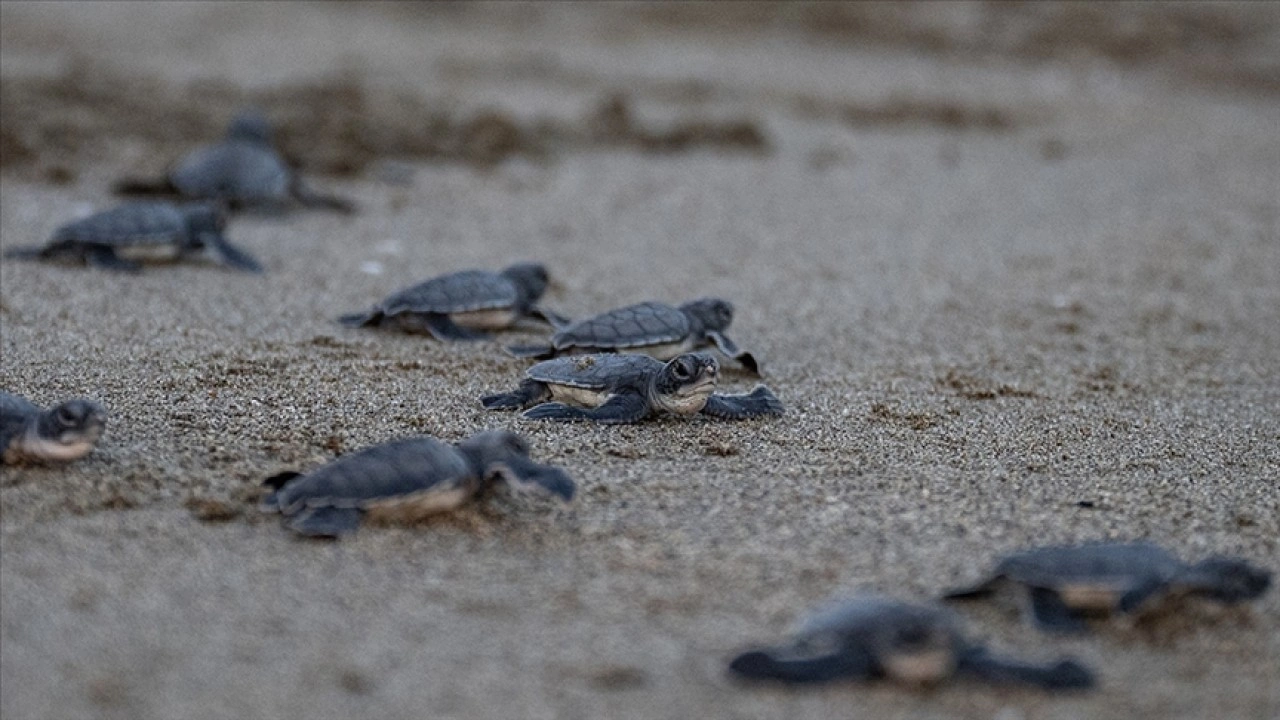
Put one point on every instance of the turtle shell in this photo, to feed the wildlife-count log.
(910, 642)
(594, 372)
(233, 170)
(403, 471)
(15, 412)
(458, 292)
(135, 223)
(640, 325)
(1102, 565)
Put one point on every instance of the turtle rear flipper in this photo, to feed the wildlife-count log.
(757, 403)
(1062, 675)
(232, 256)
(554, 319)
(326, 522)
(765, 665)
(529, 393)
(543, 351)
(731, 349)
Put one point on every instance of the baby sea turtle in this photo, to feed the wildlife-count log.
(123, 236)
(652, 328)
(68, 431)
(1067, 584)
(610, 388)
(408, 480)
(243, 170)
(875, 637)
(462, 305)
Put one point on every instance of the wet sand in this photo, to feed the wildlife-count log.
(1013, 290)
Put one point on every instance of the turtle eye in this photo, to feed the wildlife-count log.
(66, 417)
(681, 370)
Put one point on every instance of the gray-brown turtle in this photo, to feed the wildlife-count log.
(652, 328)
(1067, 584)
(407, 480)
(124, 237)
(243, 170)
(874, 637)
(463, 305)
(612, 389)
(68, 431)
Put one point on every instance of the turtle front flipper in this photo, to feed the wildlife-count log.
(731, 349)
(1062, 675)
(523, 474)
(106, 258)
(326, 522)
(442, 328)
(771, 666)
(543, 351)
(230, 255)
(554, 319)
(760, 402)
(530, 392)
(32, 252)
(620, 409)
(314, 199)
(1051, 613)
(986, 588)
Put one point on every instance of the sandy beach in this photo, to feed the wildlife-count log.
(1014, 270)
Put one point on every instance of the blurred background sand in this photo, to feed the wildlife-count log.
(1014, 268)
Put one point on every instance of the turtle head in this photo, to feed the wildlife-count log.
(1227, 580)
(250, 125)
(505, 455)
(713, 314)
(685, 382)
(70, 430)
(531, 279)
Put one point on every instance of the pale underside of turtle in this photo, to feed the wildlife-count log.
(873, 637)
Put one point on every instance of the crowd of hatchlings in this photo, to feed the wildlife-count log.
(620, 366)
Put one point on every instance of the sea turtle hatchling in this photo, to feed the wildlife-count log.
(1067, 584)
(243, 170)
(463, 305)
(122, 237)
(407, 480)
(609, 388)
(875, 637)
(652, 328)
(68, 431)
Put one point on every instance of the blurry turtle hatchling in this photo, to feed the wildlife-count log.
(463, 305)
(124, 237)
(609, 388)
(874, 637)
(68, 431)
(651, 328)
(243, 170)
(1065, 585)
(408, 480)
